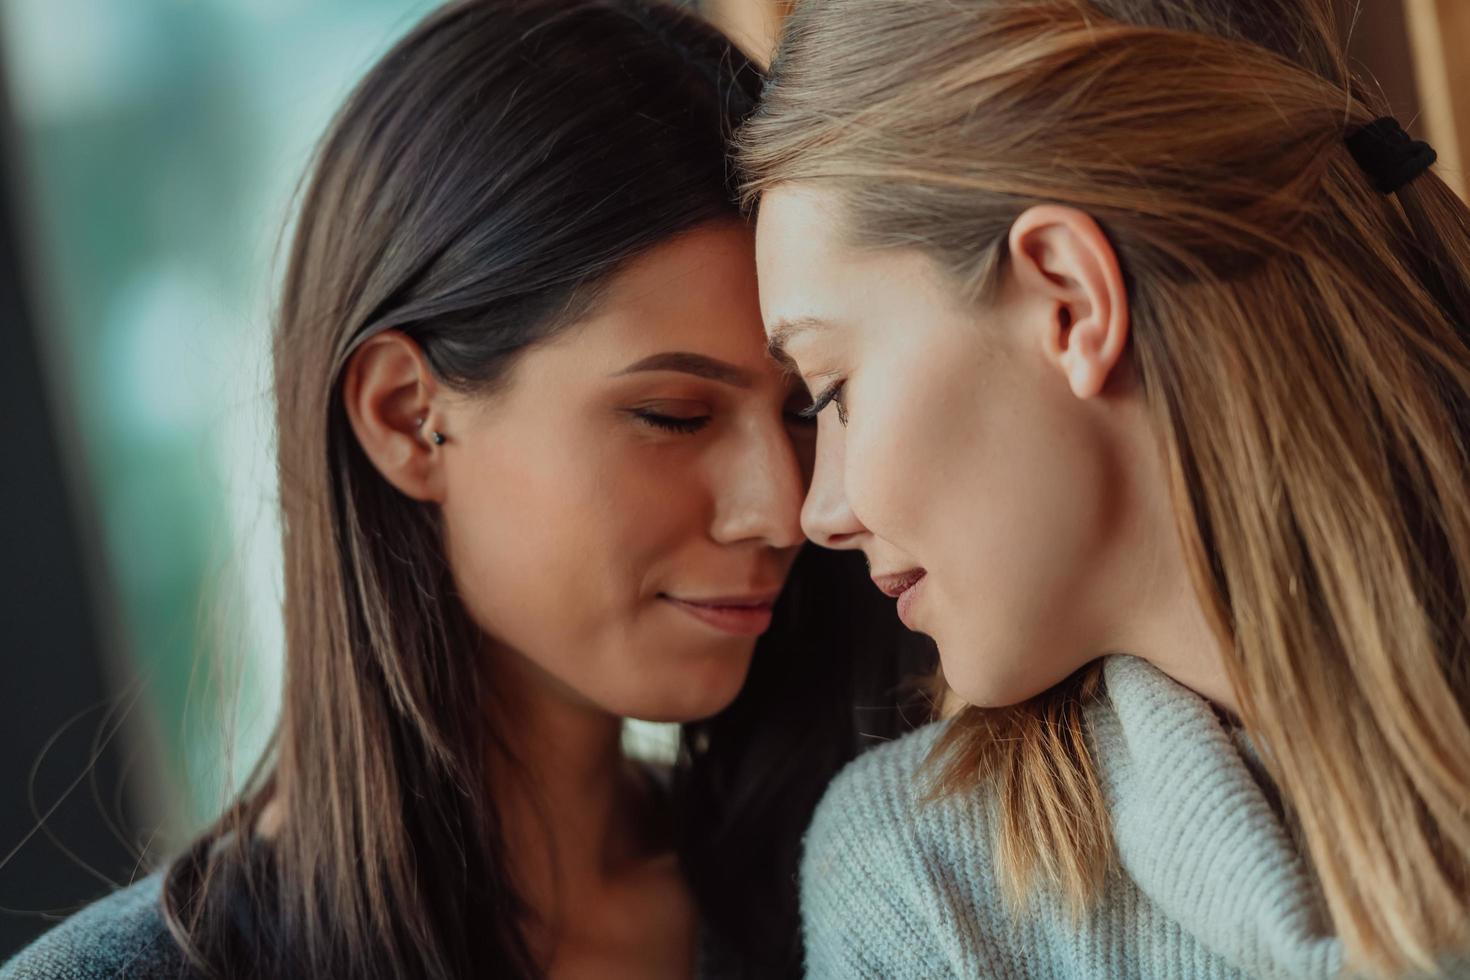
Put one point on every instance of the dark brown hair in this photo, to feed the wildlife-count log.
(1304, 345)
(496, 166)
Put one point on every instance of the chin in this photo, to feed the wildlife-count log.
(680, 710)
(692, 695)
(1003, 688)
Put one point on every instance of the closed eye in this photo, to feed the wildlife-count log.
(796, 408)
(684, 425)
(832, 393)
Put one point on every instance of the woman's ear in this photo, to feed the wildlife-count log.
(389, 393)
(1065, 265)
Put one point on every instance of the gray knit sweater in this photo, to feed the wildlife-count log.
(1207, 882)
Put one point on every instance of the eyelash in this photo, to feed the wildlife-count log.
(689, 426)
(671, 423)
(831, 395)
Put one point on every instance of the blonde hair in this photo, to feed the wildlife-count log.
(1304, 345)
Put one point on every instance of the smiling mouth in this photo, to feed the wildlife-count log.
(897, 585)
(906, 587)
(747, 615)
(765, 597)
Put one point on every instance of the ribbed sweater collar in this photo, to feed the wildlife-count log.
(1196, 831)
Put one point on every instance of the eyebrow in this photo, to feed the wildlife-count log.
(783, 330)
(699, 365)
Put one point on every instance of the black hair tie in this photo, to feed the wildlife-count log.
(1388, 155)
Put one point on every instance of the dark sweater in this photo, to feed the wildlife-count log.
(124, 936)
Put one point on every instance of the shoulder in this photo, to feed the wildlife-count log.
(878, 813)
(121, 935)
(878, 792)
(882, 802)
(885, 868)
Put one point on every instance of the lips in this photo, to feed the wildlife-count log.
(906, 588)
(765, 597)
(741, 615)
(897, 585)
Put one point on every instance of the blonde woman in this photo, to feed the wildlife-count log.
(1147, 344)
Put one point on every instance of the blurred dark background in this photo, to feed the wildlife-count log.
(148, 154)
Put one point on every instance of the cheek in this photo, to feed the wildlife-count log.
(558, 551)
(986, 475)
(1020, 567)
(910, 439)
(552, 544)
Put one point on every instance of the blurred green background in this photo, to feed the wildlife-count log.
(160, 144)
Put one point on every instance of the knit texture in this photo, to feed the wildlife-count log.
(122, 935)
(1207, 882)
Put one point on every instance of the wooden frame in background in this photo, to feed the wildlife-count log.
(1439, 35)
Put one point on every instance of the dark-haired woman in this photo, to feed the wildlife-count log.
(537, 476)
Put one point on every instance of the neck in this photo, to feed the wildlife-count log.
(1158, 614)
(1177, 638)
(574, 811)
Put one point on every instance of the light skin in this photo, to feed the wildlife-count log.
(619, 517)
(1000, 449)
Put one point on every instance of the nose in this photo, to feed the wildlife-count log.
(760, 487)
(827, 517)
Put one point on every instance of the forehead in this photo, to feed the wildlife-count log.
(809, 213)
(706, 267)
(811, 273)
(805, 266)
(695, 292)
